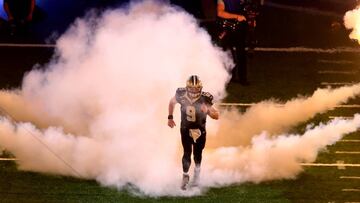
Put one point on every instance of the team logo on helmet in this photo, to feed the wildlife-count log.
(193, 87)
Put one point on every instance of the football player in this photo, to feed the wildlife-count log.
(195, 106)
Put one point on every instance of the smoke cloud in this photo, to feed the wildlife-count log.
(270, 158)
(99, 109)
(352, 22)
(236, 129)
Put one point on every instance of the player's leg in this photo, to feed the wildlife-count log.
(186, 141)
(198, 148)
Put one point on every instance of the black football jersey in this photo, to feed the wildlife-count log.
(191, 115)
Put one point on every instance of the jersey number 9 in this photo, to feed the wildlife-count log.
(190, 113)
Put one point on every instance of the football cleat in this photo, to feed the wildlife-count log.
(185, 181)
(196, 178)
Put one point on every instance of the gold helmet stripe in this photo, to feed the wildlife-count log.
(194, 81)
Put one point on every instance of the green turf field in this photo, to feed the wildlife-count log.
(279, 75)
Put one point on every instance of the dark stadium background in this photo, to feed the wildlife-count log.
(315, 23)
(280, 75)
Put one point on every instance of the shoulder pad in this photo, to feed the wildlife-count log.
(180, 91)
(208, 97)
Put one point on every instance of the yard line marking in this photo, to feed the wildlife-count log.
(8, 159)
(337, 83)
(350, 190)
(260, 49)
(344, 152)
(346, 117)
(349, 177)
(237, 104)
(349, 140)
(348, 106)
(27, 45)
(341, 167)
(281, 105)
(335, 61)
(331, 165)
(305, 49)
(337, 72)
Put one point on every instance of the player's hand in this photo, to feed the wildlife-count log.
(204, 108)
(171, 123)
(241, 18)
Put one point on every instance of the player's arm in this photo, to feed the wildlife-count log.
(172, 103)
(31, 10)
(223, 14)
(207, 106)
(7, 10)
(210, 110)
(213, 113)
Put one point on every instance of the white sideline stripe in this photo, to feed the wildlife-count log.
(344, 152)
(332, 165)
(338, 83)
(27, 45)
(261, 49)
(349, 177)
(349, 140)
(252, 104)
(335, 61)
(346, 117)
(348, 106)
(305, 49)
(337, 72)
(8, 159)
(237, 104)
(350, 190)
(341, 167)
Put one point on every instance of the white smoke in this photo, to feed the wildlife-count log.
(99, 109)
(109, 86)
(352, 22)
(270, 158)
(237, 129)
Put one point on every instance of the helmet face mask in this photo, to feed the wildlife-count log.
(194, 92)
(193, 87)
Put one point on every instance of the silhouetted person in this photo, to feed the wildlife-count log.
(20, 15)
(233, 34)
